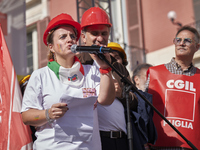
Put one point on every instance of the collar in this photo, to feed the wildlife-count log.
(177, 66)
(73, 76)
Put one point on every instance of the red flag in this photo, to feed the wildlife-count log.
(14, 135)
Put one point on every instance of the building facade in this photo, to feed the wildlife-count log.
(141, 27)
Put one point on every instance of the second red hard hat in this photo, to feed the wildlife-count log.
(94, 16)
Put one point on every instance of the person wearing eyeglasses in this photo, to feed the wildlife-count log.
(175, 88)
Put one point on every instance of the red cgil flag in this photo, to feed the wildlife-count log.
(14, 135)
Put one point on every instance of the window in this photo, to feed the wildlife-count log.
(29, 47)
(32, 49)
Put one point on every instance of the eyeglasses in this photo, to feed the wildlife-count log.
(186, 41)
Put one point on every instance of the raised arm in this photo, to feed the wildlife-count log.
(107, 88)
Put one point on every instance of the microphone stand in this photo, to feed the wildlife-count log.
(130, 85)
(129, 125)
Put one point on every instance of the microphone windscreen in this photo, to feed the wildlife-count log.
(73, 48)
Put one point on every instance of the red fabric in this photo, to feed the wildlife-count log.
(51, 60)
(13, 133)
(177, 97)
(104, 71)
(81, 68)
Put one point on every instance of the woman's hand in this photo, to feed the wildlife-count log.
(102, 63)
(57, 110)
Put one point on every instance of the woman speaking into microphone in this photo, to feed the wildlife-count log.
(60, 99)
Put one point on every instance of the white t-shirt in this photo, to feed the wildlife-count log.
(45, 89)
(111, 117)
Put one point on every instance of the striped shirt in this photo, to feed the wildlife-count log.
(175, 68)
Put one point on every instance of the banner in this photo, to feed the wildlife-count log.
(14, 135)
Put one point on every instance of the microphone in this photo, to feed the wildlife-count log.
(91, 49)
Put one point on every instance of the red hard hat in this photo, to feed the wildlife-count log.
(62, 19)
(93, 16)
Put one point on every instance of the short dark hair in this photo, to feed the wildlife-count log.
(191, 29)
(137, 70)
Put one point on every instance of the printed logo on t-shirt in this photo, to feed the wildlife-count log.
(73, 78)
(88, 92)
